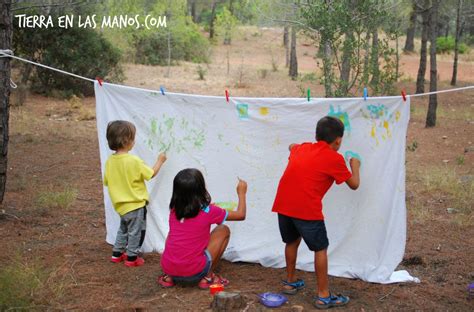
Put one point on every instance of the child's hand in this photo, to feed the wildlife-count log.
(355, 163)
(241, 187)
(159, 162)
(162, 158)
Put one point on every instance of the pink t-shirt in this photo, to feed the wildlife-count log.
(187, 240)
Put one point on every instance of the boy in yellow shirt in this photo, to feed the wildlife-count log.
(125, 176)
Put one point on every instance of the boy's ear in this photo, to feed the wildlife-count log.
(339, 141)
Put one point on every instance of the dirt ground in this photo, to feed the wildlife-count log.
(53, 147)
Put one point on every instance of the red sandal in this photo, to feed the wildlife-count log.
(213, 279)
(165, 281)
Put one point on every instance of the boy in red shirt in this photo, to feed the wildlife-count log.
(312, 169)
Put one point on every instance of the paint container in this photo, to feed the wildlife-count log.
(272, 300)
(216, 288)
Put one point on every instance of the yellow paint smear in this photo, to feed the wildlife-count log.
(264, 111)
(372, 132)
(386, 126)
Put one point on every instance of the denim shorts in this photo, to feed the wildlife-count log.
(197, 277)
(313, 232)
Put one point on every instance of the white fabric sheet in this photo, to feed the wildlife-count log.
(249, 138)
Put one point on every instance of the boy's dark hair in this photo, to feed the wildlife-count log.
(189, 194)
(120, 133)
(329, 129)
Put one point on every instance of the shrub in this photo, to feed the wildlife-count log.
(84, 52)
(446, 44)
(186, 41)
(201, 71)
(225, 25)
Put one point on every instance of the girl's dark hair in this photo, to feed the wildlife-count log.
(120, 133)
(189, 194)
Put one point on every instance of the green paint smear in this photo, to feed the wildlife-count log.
(227, 205)
(169, 123)
(154, 126)
(164, 137)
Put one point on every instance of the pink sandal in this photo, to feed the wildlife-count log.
(165, 281)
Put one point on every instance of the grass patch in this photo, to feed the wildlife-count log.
(28, 286)
(413, 146)
(445, 183)
(86, 114)
(75, 102)
(19, 283)
(21, 122)
(418, 210)
(465, 113)
(17, 182)
(51, 200)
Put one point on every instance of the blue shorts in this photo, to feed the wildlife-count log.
(197, 277)
(313, 232)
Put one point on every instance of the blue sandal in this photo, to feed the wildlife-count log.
(295, 286)
(331, 301)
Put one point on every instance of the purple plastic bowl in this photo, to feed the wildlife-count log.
(272, 300)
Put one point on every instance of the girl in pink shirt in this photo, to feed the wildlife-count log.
(192, 251)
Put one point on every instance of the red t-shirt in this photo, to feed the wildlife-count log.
(311, 170)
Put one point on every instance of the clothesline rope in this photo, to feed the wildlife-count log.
(2, 52)
(9, 53)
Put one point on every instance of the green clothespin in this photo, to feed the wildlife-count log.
(309, 95)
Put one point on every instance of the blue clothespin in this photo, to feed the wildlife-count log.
(162, 89)
(365, 94)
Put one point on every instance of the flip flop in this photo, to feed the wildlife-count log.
(295, 286)
(162, 280)
(330, 302)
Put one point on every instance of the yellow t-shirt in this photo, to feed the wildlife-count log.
(125, 177)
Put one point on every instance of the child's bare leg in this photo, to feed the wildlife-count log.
(291, 251)
(217, 244)
(321, 268)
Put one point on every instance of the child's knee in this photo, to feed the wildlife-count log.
(223, 229)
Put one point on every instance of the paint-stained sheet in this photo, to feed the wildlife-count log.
(249, 138)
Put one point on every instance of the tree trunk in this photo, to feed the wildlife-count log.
(431, 115)
(374, 59)
(420, 80)
(410, 41)
(213, 17)
(347, 51)
(285, 35)
(293, 60)
(193, 11)
(286, 44)
(169, 54)
(227, 301)
(397, 58)
(327, 67)
(456, 43)
(365, 73)
(5, 44)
